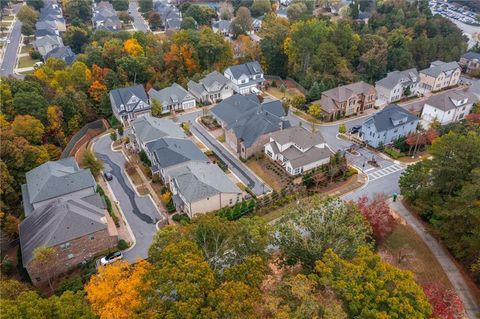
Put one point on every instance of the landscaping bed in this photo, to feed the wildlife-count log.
(209, 122)
(270, 172)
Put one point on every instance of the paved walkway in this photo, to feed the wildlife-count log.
(443, 257)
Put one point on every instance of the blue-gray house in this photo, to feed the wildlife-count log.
(388, 125)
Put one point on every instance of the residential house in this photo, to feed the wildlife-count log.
(388, 125)
(257, 24)
(447, 107)
(129, 103)
(439, 76)
(173, 98)
(245, 77)
(148, 128)
(171, 17)
(470, 62)
(348, 99)
(63, 53)
(212, 88)
(398, 85)
(168, 153)
(297, 149)
(105, 17)
(43, 32)
(47, 43)
(200, 187)
(222, 26)
(247, 123)
(63, 211)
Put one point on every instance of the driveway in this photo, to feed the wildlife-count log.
(10, 56)
(138, 21)
(139, 211)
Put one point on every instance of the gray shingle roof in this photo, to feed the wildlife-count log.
(123, 101)
(148, 128)
(444, 101)
(274, 106)
(395, 77)
(298, 159)
(470, 55)
(212, 82)
(64, 53)
(53, 179)
(298, 135)
(59, 222)
(248, 119)
(249, 68)
(438, 67)
(197, 180)
(170, 95)
(173, 151)
(384, 120)
(222, 25)
(344, 92)
(48, 40)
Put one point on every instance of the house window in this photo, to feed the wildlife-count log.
(231, 201)
(65, 246)
(449, 112)
(38, 279)
(91, 237)
(70, 256)
(208, 198)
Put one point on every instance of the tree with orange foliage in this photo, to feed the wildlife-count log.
(246, 49)
(180, 62)
(114, 291)
(132, 47)
(99, 73)
(96, 90)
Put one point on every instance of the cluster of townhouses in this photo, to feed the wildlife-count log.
(105, 17)
(48, 29)
(224, 27)
(63, 212)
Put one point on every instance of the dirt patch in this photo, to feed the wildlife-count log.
(272, 173)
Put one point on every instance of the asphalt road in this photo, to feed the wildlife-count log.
(8, 63)
(140, 212)
(138, 21)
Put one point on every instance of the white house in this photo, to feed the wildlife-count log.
(447, 107)
(245, 77)
(397, 85)
(297, 149)
(212, 88)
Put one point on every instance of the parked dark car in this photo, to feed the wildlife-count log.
(108, 176)
(354, 129)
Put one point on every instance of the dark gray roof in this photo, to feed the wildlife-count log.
(384, 120)
(445, 101)
(395, 77)
(438, 67)
(48, 24)
(298, 158)
(222, 25)
(64, 53)
(59, 222)
(274, 106)
(54, 179)
(470, 55)
(48, 40)
(172, 151)
(170, 95)
(173, 23)
(44, 32)
(199, 180)
(248, 119)
(249, 68)
(148, 128)
(128, 99)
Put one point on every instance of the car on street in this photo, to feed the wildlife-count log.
(108, 176)
(355, 129)
(110, 258)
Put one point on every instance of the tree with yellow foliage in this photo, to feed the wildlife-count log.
(114, 291)
(166, 197)
(96, 90)
(55, 120)
(132, 47)
(28, 127)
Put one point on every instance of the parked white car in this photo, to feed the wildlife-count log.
(112, 257)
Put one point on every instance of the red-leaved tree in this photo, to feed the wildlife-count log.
(445, 302)
(377, 213)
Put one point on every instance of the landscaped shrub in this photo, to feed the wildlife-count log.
(393, 153)
(122, 244)
(350, 172)
(144, 158)
(35, 55)
(171, 207)
(7, 267)
(181, 218)
(73, 284)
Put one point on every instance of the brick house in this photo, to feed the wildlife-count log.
(348, 99)
(64, 212)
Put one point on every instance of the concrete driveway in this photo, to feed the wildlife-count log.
(140, 212)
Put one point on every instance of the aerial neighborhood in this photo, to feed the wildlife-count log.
(239, 159)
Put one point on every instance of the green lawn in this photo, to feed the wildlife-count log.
(26, 48)
(307, 117)
(289, 94)
(26, 61)
(8, 18)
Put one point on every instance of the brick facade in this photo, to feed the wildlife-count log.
(81, 249)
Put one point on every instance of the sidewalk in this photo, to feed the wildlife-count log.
(443, 258)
